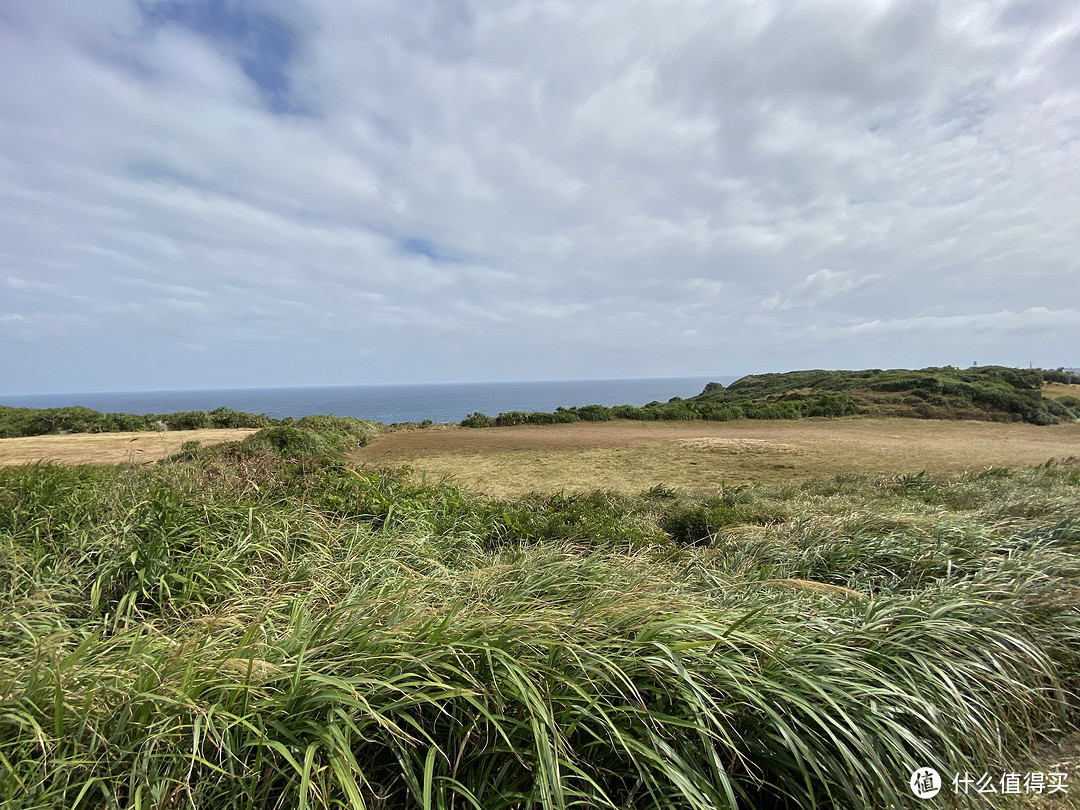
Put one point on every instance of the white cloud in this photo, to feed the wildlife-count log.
(817, 287)
(1035, 318)
(637, 186)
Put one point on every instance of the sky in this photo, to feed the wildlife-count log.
(231, 193)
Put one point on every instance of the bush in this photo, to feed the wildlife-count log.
(64, 420)
(285, 440)
(557, 418)
(674, 411)
(15, 422)
(339, 433)
(312, 436)
(187, 420)
(830, 405)
(511, 418)
(125, 422)
(595, 413)
(189, 451)
(477, 420)
(687, 524)
(228, 418)
(773, 410)
(1071, 405)
(1060, 376)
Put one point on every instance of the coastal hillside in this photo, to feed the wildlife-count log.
(993, 393)
(989, 393)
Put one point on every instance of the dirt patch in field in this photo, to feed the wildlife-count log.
(699, 456)
(110, 448)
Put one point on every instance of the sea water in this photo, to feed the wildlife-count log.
(439, 402)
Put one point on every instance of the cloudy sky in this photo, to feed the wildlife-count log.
(230, 193)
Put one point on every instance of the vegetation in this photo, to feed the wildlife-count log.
(313, 435)
(990, 393)
(256, 626)
(676, 410)
(16, 422)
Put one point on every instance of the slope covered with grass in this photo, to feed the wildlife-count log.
(993, 393)
(247, 627)
(988, 392)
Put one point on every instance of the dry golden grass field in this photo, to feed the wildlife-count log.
(630, 457)
(109, 448)
(1056, 390)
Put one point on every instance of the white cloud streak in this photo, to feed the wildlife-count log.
(482, 190)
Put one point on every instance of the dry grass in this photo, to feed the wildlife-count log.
(631, 457)
(1056, 390)
(110, 448)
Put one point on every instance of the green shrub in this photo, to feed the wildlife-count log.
(511, 419)
(340, 433)
(63, 420)
(561, 417)
(773, 410)
(1071, 405)
(289, 441)
(720, 413)
(673, 411)
(599, 519)
(187, 420)
(1060, 376)
(125, 422)
(312, 436)
(687, 524)
(228, 418)
(477, 420)
(595, 413)
(15, 422)
(833, 405)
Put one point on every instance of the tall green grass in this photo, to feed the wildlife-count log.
(248, 629)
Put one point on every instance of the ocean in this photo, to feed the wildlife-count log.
(439, 402)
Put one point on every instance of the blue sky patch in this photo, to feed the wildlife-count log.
(262, 43)
(424, 248)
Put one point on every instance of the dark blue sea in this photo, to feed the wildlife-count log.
(439, 402)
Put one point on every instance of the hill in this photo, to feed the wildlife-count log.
(993, 393)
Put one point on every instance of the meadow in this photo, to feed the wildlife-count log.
(131, 447)
(704, 456)
(269, 624)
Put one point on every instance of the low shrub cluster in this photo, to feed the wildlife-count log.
(257, 626)
(797, 407)
(16, 422)
(312, 436)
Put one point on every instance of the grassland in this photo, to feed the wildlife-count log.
(701, 456)
(110, 448)
(264, 625)
(1058, 390)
